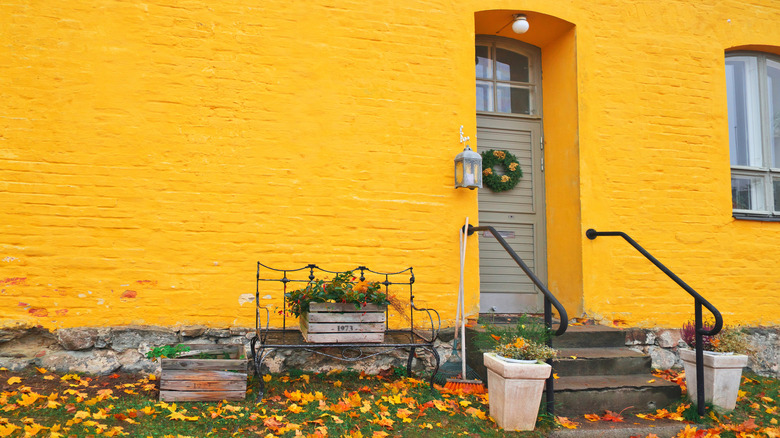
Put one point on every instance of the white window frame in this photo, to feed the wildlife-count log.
(766, 172)
(534, 55)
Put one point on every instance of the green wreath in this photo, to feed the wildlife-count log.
(500, 183)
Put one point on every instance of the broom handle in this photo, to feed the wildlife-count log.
(460, 285)
(462, 294)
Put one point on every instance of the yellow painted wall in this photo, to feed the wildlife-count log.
(151, 152)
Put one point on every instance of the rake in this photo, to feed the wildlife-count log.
(469, 380)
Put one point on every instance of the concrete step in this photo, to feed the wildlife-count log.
(631, 426)
(600, 361)
(577, 395)
(590, 336)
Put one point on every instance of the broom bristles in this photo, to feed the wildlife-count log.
(465, 386)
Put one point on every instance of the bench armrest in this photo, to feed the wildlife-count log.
(434, 328)
(261, 333)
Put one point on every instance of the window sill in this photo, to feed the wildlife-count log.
(755, 217)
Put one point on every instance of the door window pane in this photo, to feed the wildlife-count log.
(484, 96)
(484, 63)
(773, 91)
(747, 193)
(776, 185)
(744, 111)
(513, 99)
(511, 66)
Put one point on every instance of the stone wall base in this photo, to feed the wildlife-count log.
(662, 346)
(105, 350)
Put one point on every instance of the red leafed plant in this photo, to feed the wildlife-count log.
(688, 335)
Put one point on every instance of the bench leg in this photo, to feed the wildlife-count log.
(409, 362)
(436, 367)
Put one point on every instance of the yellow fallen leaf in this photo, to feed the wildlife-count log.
(267, 378)
(337, 383)
(295, 409)
(82, 414)
(42, 370)
(14, 380)
(464, 403)
(773, 421)
(305, 377)
(28, 399)
(379, 434)
(651, 381)
(555, 376)
(767, 399)
(32, 429)
(565, 422)
(573, 357)
(8, 429)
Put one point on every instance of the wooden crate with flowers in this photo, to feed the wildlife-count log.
(343, 310)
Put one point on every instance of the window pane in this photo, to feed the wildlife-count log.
(513, 99)
(744, 111)
(483, 62)
(484, 96)
(773, 90)
(777, 194)
(511, 66)
(747, 193)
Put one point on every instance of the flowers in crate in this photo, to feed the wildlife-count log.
(523, 349)
(344, 288)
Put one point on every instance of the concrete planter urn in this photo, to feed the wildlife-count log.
(722, 376)
(515, 391)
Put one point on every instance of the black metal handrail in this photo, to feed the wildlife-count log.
(699, 302)
(549, 302)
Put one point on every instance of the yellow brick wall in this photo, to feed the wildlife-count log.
(151, 152)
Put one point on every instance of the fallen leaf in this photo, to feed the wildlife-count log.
(565, 422)
(612, 416)
(592, 417)
(14, 380)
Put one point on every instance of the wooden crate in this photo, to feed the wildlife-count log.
(339, 322)
(188, 378)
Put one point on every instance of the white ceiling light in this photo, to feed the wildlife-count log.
(520, 24)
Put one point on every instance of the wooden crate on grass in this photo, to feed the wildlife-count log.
(207, 372)
(340, 322)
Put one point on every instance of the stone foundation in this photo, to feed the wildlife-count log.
(104, 350)
(662, 346)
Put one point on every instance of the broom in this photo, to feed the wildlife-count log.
(468, 382)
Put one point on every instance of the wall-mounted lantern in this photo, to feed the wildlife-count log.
(468, 167)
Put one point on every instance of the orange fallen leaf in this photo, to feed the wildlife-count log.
(592, 417)
(565, 422)
(612, 416)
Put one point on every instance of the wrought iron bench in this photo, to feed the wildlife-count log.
(268, 340)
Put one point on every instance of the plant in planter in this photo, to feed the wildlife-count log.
(724, 356)
(340, 310)
(516, 375)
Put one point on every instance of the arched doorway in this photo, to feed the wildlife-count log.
(509, 117)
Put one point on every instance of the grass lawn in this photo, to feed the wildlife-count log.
(37, 402)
